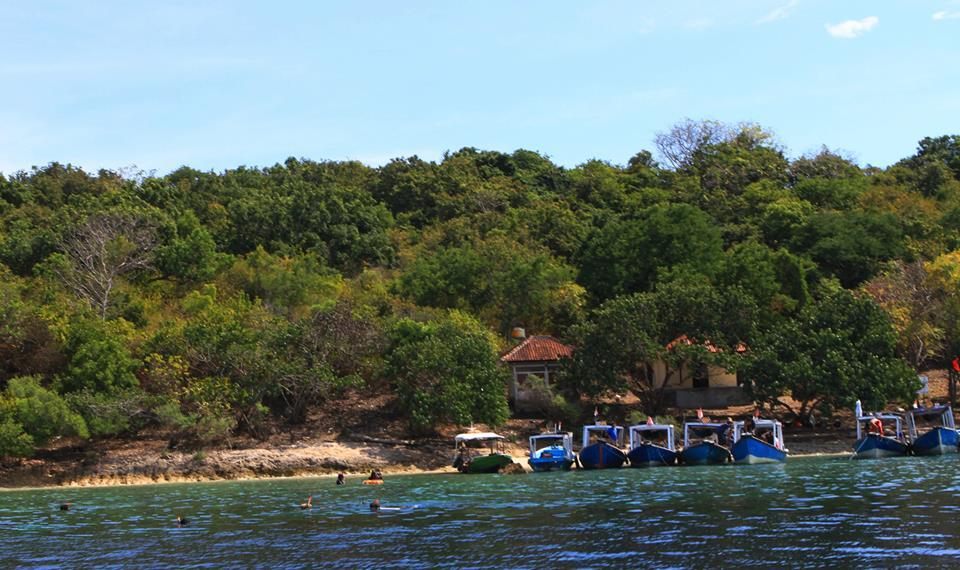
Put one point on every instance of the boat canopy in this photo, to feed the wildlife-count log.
(761, 425)
(714, 427)
(563, 439)
(945, 413)
(603, 429)
(637, 434)
(866, 417)
(480, 436)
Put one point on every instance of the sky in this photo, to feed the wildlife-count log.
(219, 84)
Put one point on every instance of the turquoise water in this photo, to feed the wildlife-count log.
(816, 512)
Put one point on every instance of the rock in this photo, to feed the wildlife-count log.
(513, 469)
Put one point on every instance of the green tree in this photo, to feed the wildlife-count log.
(42, 413)
(851, 245)
(617, 346)
(447, 370)
(191, 255)
(98, 357)
(628, 255)
(776, 280)
(838, 349)
(506, 283)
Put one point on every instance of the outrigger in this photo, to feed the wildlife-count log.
(468, 458)
(875, 443)
(764, 444)
(652, 445)
(603, 452)
(938, 440)
(551, 451)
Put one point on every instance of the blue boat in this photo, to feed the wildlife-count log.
(551, 451)
(701, 444)
(758, 441)
(875, 443)
(652, 445)
(937, 439)
(601, 447)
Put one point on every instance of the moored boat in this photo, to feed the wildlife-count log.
(758, 441)
(875, 443)
(701, 444)
(551, 451)
(937, 439)
(601, 447)
(469, 457)
(652, 445)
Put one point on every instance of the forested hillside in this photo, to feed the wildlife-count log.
(207, 303)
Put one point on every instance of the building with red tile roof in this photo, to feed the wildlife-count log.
(536, 356)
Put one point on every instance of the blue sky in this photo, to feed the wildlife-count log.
(219, 84)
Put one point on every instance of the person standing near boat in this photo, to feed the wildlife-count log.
(725, 433)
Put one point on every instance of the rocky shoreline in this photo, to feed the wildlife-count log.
(145, 462)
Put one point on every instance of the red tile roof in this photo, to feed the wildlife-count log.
(538, 349)
(683, 339)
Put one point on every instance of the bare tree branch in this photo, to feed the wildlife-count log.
(102, 249)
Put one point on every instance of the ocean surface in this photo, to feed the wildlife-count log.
(811, 512)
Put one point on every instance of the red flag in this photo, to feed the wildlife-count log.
(956, 364)
(756, 413)
(699, 413)
(649, 421)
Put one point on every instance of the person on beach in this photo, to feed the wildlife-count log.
(341, 479)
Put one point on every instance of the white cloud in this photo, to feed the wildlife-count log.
(945, 15)
(852, 28)
(779, 13)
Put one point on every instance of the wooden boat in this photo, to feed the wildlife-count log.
(937, 440)
(762, 444)
(601, 447)
(652, 445)
(701, 444)
(469, 457)
(551, 451)
(872, 445)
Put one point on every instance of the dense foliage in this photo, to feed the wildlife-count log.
(204, 303)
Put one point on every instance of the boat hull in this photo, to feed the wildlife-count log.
(486, 464)
(650, 455)
(602, 456)
(705, 453)
(875, 446)
(750, 450)
(937, 441)
(556, 464)
(553, 458)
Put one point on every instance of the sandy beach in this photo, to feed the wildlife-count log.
(150, 461)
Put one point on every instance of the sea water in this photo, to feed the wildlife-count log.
(811, 512)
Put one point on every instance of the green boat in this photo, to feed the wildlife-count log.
(480, 453)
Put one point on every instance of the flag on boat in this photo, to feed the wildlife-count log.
(649, 421)
(956, 364)
(700, 413)
(756, 413)
(596, 414)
